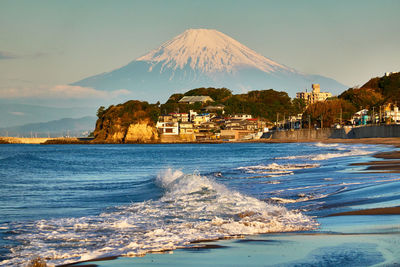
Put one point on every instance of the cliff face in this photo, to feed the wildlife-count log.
(131, 122)
(141, 133)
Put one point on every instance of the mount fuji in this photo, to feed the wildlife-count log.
(204, 58)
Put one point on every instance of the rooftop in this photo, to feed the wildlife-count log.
(196, 98)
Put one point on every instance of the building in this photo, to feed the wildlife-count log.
(201, 118)
(186, 128)
(360, 117)
(248, 125)
(168, 128)
(389, 73)
(242, 116)
(392, 115)
(180, 117)
(167, 118)
(314, 96)
(195, 99)
(215, 108)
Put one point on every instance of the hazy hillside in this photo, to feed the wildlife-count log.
(56, 128)
(19, 114)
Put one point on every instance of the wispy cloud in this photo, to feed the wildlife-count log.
(17, 113)
(7, 55)
(60, 92)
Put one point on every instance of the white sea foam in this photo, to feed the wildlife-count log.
(193, 208)
(326, 156)
(275, 169)
(355, 152)
(325, 145)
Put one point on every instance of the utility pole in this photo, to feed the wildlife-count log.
(341, 113)
(277, 119)
(373, 115)
(284, 120)
(322, 122)
(380, 115)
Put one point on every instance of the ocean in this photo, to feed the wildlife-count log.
(68, 203)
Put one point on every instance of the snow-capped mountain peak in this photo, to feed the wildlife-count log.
(208, 51)
(203, 58)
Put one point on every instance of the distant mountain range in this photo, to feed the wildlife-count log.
(63, 127)
(204, 58)
(19, 114)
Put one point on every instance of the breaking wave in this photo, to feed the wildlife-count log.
(193, 208)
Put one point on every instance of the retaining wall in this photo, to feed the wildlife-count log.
(376, 131)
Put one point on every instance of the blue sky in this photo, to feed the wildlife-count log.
(45, 45)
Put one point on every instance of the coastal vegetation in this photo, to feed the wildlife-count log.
(329, 112)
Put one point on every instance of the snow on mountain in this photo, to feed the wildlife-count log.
(204, 58)
(208, 51)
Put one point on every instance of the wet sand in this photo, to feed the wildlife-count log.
(391, 160)
(377, 211)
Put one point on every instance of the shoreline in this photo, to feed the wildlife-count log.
(394, 141)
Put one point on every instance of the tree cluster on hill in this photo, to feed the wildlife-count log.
(362, 97)
(130, 112)
(377, 91)
(260, 104)
(329, 112)
(388, 86)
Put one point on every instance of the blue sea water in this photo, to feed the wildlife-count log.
(77, 202)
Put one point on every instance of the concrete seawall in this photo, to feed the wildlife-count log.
(376, 131)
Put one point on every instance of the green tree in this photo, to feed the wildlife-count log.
(100, 111)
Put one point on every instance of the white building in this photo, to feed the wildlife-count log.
(242, 116)
(315, 96)
(168, 128)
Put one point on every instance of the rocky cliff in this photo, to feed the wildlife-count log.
(142, 132)
(131, 122)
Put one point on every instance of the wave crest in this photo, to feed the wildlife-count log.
(193, 208)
